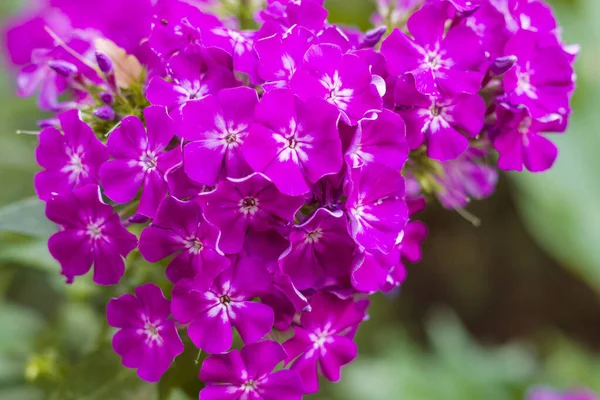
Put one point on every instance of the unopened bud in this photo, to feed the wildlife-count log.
(63, 68)
(372, 37)
(105, 112)
(502, 64)
(104, 63)
(107, 98)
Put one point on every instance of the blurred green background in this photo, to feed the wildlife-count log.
(488, 313)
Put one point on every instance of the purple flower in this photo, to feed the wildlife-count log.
(238, 205)
(294, 143)
(126, 28)
(53, 86)
(376, 207)
(542, 78)
(466, 178)
(466, 5)
(195, 73)
(217, 127)
(71, 159)
(320, 249)
(91, 233)
(323, 339)
(284, 14)
(438, 62)
(440, 121)
(520, 142)
(382, 141)
(415, 233)
(139, 160)
(148, 339)
(246, 374)
(281, 55)
(344, 80)
(212, 313)
(179, 227)
(239, 44)
(543, 393)
(374, 271)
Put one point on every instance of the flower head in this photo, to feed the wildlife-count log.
(247, 374)
(147, 339)
(180, 228)
(323, 339)
(70, 159)
(437, 60)
(91, 234)
(227, 304)
(217, 126)
(294, 143)
(140, 160)
(251, 203)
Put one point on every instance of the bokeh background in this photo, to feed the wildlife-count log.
(489, 312)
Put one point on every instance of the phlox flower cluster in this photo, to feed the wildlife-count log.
(273, 166)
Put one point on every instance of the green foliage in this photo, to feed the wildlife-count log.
(455, 368)
(26, 217)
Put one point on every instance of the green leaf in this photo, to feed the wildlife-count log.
(101, 376)
(26, 217)
(32, 254)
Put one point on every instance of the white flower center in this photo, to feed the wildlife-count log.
(148, 161)
(94, 229)
(248, 206)
(151, 331)
(75, 167)
(194, 245)
(337, 96)
(314, 236)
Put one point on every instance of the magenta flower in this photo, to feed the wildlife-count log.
(542, 78)
(281, 55)
(543, 393)
(320, 249)
(520, 142)
(468, 177)
(247, 374)
(180, 228)
(217, 126)
(195, 73)
(148, 339)
(414, 234)
(71, 159)
(439, 121)
(382, 140)
(238, 205)
(239, 44)
(212, 313)
(343, 80)
(139, 160)
(323, 340)
(91, 233)
(466, 5)
(294, 143)
(376, 271)
(284, 14)
(376, 206)
(438, 62)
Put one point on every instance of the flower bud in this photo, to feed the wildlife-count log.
(105, 64)
(502, 64)
(63, 68)
(107, 98)
(372, 37)
(105, 112)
